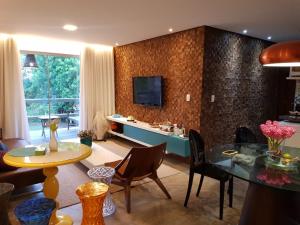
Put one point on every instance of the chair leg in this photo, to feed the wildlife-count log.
(230, 191)
(162, 187)
(222, 189)
(127, 198)
(200, 185)
(189, 188)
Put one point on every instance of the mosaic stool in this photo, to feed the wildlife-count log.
(5, 192)
(35, 211)
(92, 196)
(104, 174)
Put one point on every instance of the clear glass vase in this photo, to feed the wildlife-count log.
(274, 147)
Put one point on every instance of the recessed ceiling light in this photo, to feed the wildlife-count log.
(270, 37)
(245, 31)
(70, 27)
(117, 44)
(171, 29)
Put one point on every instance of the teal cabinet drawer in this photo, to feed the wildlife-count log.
(178, 146)
(144, 135)
(175, 144)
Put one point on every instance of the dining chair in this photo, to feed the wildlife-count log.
(200, 166)
(138, 164)
(244, 135)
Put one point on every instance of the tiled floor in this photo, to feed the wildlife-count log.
(151, 207)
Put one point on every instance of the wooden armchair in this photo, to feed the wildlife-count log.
(140, 163)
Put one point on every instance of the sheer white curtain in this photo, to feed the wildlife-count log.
(13, 117)
(97, 88)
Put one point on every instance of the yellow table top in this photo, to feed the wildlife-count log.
(67, 153)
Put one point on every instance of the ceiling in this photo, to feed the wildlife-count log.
(127, 21)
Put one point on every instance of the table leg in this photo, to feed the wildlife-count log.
(51, 188)
(269, 206)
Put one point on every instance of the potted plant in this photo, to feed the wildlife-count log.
(86, 137)
(276, 134)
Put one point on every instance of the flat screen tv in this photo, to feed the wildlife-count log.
(148, 90)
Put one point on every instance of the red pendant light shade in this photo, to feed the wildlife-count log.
(284, 54)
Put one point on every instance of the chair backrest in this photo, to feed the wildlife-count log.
(244, 135)
(196, 148)
(142, 162)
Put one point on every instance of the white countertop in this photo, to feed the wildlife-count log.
(295, 125)
(139, 124)
(294, 141)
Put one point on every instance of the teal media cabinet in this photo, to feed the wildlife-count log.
(144, 134)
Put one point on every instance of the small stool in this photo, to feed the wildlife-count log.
(35, 211)
(92, 196)
(5, 192)
(104, 175)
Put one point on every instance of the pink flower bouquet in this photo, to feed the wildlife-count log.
(274, 177)
(276, 134)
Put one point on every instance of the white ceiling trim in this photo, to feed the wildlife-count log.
(56, 46)
(108, 22)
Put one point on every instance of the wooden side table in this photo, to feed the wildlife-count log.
(92, 196)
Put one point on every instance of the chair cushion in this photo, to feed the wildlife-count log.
(3, 166)
(3, 147)
(212, 171)
(121, 170)
(35, 211)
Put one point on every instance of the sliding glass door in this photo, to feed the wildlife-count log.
(52, 91)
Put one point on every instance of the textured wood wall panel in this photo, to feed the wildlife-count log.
(226, 65)
(178, 58)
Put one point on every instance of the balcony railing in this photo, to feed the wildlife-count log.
(45, 100)
(62, 107)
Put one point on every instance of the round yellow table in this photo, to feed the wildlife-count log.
(67, 153)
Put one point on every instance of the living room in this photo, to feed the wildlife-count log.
(190, 110)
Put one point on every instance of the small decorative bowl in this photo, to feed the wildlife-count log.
(279, 162)
(40, 151)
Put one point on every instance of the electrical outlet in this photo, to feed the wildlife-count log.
(188, 97)
(212, 98)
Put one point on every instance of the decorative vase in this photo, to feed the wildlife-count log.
(53, 145)
(100, 126)
(86, 141)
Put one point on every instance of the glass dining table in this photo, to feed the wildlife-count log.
(273, 195)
